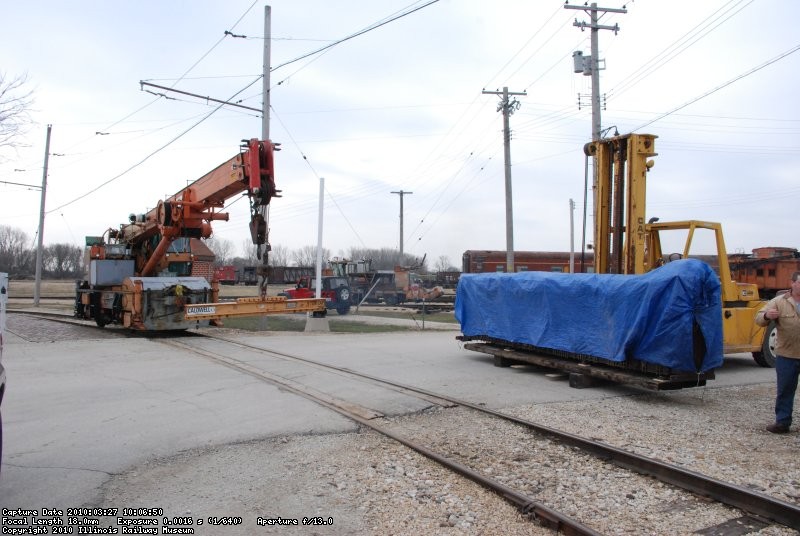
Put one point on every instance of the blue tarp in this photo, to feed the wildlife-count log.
(645, 317)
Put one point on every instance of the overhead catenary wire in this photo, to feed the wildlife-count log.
(308, 162)
(150, 155)
(110, 126)
(354, 35)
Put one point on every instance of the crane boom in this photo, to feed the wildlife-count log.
(124, 286)
(189, 212)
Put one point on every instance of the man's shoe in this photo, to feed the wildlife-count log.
(777, 428)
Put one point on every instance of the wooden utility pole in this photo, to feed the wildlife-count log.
(593, 66)
(508, 108)
(401, 193)
(40, 239)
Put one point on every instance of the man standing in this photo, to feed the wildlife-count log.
(785, 311)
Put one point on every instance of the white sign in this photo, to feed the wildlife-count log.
(201, 310)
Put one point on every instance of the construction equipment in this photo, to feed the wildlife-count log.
(390, 287)
(704, 314)
(139, 279)
(627, 243)
(335, 291)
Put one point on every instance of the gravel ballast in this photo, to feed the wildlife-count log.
(369, 484)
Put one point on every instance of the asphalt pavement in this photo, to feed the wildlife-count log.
(81, 408)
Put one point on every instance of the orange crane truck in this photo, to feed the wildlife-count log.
(134, 281)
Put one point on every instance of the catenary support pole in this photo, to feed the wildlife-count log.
(318, 292)
(264, 283)
(401, 193)
(267, 67)
(314, 323)
(40, 239)
(571, 236)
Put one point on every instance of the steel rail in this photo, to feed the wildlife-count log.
(529, 507)
(727, 493)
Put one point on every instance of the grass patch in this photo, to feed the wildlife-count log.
(430, 317)
(288, 323)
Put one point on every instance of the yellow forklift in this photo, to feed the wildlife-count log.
(627, 243)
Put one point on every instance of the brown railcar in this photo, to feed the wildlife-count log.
(480, 260)
(770, 268)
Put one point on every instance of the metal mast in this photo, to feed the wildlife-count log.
(40, 238)
(401, 193)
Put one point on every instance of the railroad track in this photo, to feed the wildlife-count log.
(547, 443)
(761, 508)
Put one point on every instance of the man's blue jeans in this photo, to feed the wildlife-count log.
(786, 371)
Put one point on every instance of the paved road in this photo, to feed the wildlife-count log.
(83, 407)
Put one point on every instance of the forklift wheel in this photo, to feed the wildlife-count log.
(766, 357)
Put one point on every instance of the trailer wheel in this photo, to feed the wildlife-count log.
(101, 319)
(343, 310)
(766, 357)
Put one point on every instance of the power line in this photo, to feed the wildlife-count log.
(726, 84)
(308, 162)
(489, 84)
(215, 45)
(183, 76)
(676, 48)
(351, 36)
(146, 158)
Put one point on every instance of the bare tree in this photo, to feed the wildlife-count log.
(15, 102)
(443, 264)
(249, 249)
(307, 256)
(222, 248)
(279, 256)
(14, 252)
(386, 258)
(63, 260)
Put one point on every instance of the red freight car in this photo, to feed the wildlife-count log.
(770, 268)
(226, 275)
(480, 260)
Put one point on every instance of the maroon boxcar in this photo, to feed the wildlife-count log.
(482, 260)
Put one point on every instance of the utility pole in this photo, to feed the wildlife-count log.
(401, 193)
(508, 108)
(40, 244)
(591, 66)
(571, 236)
(267, 67)
(264, 210)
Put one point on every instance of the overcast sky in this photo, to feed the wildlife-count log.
(401, 108)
